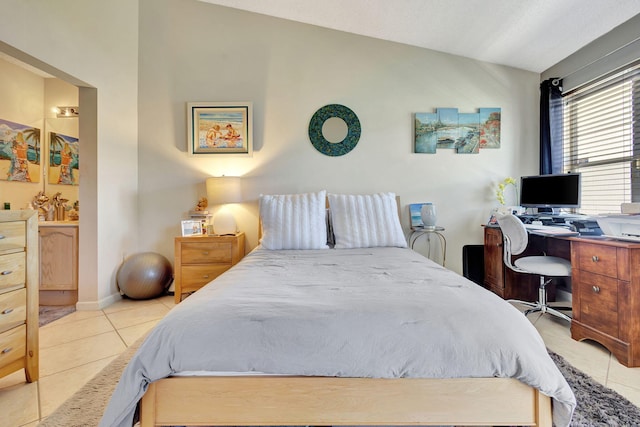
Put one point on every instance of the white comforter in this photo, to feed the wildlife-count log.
(378, 312)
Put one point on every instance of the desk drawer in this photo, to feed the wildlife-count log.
(206, 252)
(13, 345)
(12, 270)
(599, 302)
(598, 259)
(13, 309)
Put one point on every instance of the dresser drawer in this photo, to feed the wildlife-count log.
(12, 235)
(13, 345)
(196, 276)
(598, 259)
(599, 302)
(12, 270)
(13, 309)
(206, 252)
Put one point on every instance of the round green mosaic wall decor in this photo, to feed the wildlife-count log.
(334, 148)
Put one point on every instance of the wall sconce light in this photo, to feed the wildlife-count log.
(221, 191)
(66, 112)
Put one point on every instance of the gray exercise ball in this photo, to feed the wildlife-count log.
(144, 275)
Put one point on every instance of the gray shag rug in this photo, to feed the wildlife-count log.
(598, 406)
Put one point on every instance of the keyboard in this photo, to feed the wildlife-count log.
(550, 230)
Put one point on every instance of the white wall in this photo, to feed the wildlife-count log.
(192, 51)
(94, 45)
(137, 180)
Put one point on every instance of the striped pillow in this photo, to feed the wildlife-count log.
(294, 221)
(366, 221)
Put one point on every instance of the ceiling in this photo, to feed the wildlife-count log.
(528, 34)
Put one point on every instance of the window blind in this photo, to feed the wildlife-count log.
(601, 140)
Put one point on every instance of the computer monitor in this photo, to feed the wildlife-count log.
(550, 191)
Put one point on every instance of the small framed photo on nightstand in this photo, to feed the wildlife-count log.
(415, 216)
(191, 228)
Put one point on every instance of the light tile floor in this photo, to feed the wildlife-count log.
(72, 350)
(75, 348)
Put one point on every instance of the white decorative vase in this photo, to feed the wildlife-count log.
(428, 214)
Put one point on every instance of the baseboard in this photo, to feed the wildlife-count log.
(98, 305)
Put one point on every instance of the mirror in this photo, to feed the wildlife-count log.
(334, 130)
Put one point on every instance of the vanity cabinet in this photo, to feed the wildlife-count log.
(606, 296)
(58, 262)
(19, 293)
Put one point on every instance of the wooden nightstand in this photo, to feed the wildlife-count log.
(200, 259)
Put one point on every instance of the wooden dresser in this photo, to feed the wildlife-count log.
(19, 293)
(606, 296)
(200, 259)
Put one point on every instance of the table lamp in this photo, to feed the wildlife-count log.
(221, 191)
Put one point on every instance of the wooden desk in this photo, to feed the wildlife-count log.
(605, 286)
(606, 296)
(508, 284)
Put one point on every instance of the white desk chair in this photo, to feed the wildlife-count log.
(516, 240)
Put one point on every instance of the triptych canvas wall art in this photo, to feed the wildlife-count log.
(466, 133)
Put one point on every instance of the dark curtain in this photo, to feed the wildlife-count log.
(551, 126)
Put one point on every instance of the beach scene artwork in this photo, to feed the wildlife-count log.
(64, 159)
(19, 152)
(219, 129)
(415, 215)
(466, 133)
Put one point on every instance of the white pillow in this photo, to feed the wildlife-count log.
(366, 221)
(294, 221)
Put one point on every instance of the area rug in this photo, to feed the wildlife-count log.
(598, 406)
(49, 313)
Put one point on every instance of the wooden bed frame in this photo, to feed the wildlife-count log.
(329, 401)
(324, 401)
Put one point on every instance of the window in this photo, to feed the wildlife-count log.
(601, 140)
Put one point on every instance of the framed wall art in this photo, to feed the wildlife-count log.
(219, 128)
(64, 159)
(467, 133)
(19, 152)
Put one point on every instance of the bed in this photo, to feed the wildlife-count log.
(367, 332)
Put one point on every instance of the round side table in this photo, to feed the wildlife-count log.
(416, 233)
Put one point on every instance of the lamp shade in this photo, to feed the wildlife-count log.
(220, 191)
(223, 189)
